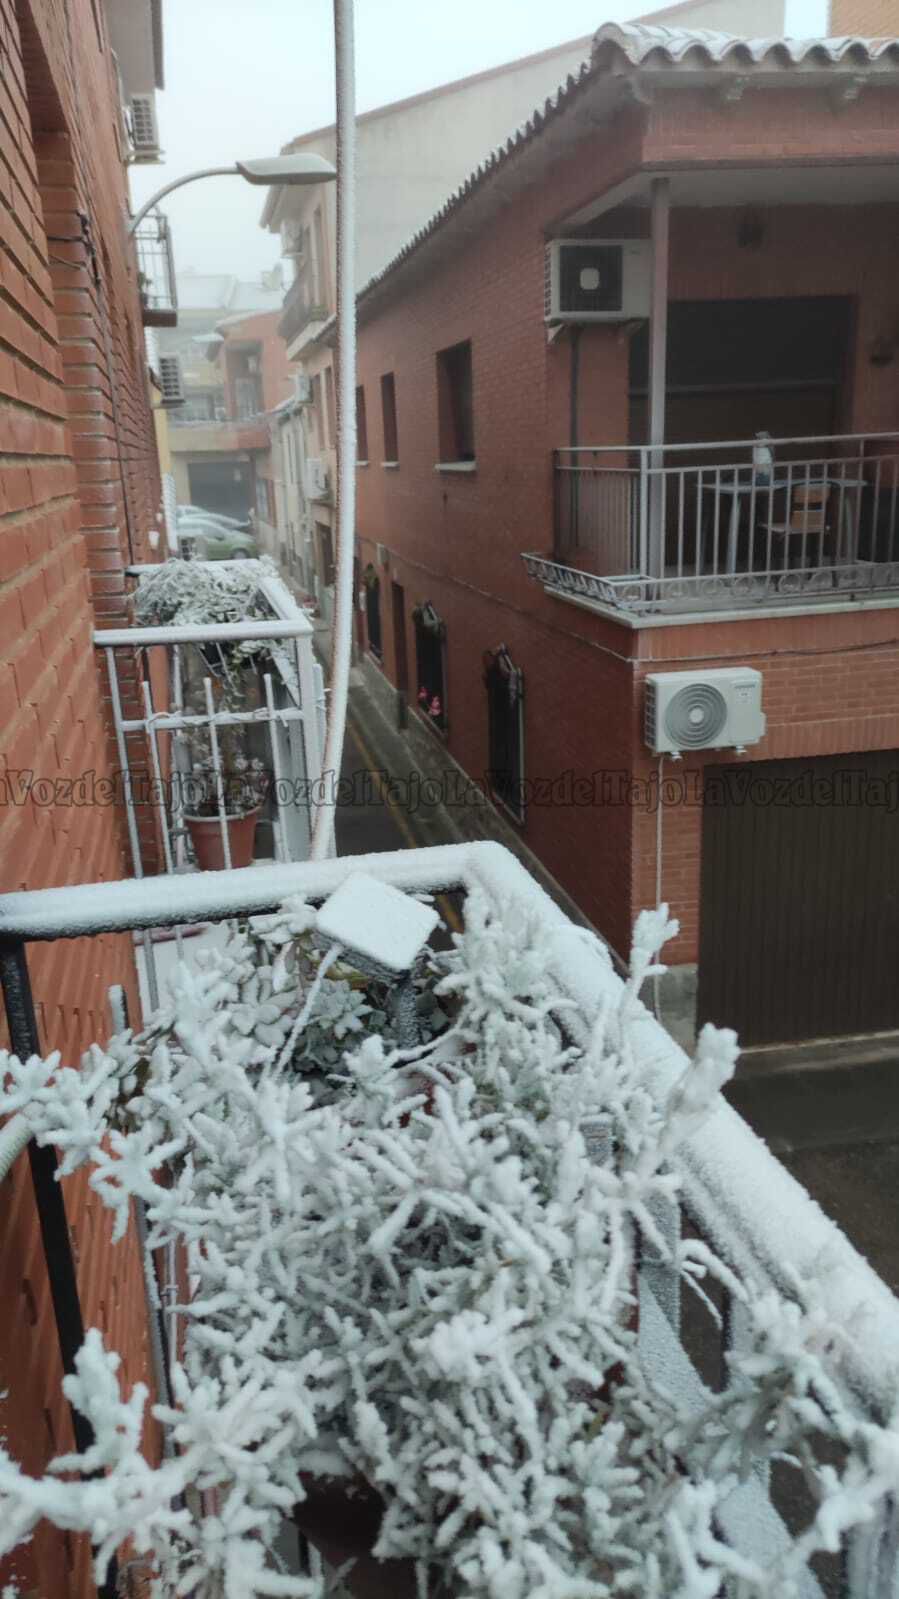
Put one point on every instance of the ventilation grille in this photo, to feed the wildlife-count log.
(170, 380)
(144, 132)
(695, 716)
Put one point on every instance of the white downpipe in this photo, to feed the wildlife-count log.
(323, 829)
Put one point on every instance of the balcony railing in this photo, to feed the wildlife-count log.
(734, 1192)
(172, 700)
(156, 272)
(716, 527)
(299, 313)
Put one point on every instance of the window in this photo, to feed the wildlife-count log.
(388, 412)
(455, 413)
(263, 499)
(505, 730)
(330, 406)
(430, 660)
(361, 427)
(373, 610)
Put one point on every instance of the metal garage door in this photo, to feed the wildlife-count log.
(799, 906)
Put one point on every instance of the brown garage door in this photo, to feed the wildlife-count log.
(799, 931)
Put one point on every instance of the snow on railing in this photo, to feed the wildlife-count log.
(734, 1193)
(155, 723)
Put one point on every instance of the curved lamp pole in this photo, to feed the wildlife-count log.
(277, 169)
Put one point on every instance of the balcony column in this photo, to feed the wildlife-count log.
(658, 352)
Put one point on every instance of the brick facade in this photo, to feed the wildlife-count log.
(455, 538)
(866, 19)
(79, 491)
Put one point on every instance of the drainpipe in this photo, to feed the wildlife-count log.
(574, 373)
(658, 355)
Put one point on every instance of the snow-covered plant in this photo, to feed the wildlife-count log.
(417, 1268)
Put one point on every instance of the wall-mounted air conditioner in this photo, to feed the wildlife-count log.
(170, 380)
(316, 479)
(304, 388)
(292, 239)
(144, 131)
(597, 280)
(715, 710)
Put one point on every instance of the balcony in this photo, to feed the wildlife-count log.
(206, 437)
(156, 272)
(248, 688)
(727, 1196)
(300, 311)
(734, 528)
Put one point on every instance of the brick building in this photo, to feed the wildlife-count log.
(79, 495)
(756, 189)
(222, 462)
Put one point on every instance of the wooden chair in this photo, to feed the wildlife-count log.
(807, 519)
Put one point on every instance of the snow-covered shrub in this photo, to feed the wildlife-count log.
(417, 1268)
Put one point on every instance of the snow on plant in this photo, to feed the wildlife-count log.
(417, 1268)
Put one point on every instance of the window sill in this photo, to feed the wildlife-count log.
(362, 463)
(390, 466)
(456, 466)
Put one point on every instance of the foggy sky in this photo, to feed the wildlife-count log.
(244, 76)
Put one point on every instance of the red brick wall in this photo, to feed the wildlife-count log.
(456, 539)
(79, 489)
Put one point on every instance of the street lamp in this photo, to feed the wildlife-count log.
(280, 169)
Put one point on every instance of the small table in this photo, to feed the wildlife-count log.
(765, 490)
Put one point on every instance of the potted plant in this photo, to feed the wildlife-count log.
(228, 795)
(411, 1309)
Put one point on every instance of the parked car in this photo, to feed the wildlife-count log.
(190, 513)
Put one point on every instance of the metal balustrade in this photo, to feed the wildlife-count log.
(734, 1192)
(719, 526)
(154, 721)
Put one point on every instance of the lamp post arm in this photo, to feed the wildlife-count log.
(177, 183)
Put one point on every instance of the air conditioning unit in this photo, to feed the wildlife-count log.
(597, 280)
(304, 388)
(292, 239)
(714, 710)
(170, 380)
(144, 132)
(316, 479)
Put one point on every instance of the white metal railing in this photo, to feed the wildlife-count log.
(734, 1192)
(153, 724)
(156, 268)
(719, 525)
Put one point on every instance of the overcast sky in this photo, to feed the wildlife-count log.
(244, 76)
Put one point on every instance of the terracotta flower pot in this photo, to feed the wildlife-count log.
(206, 837)
(341, 1518)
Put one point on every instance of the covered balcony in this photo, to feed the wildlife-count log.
(735, 526)
(730, 425)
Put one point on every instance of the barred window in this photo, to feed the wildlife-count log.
(505, 729)
(373, 609)
(430, 657)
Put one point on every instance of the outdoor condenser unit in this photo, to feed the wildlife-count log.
(144, 131)
(597, 280)
(703, 710)
(170, 380)
(316, 483)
